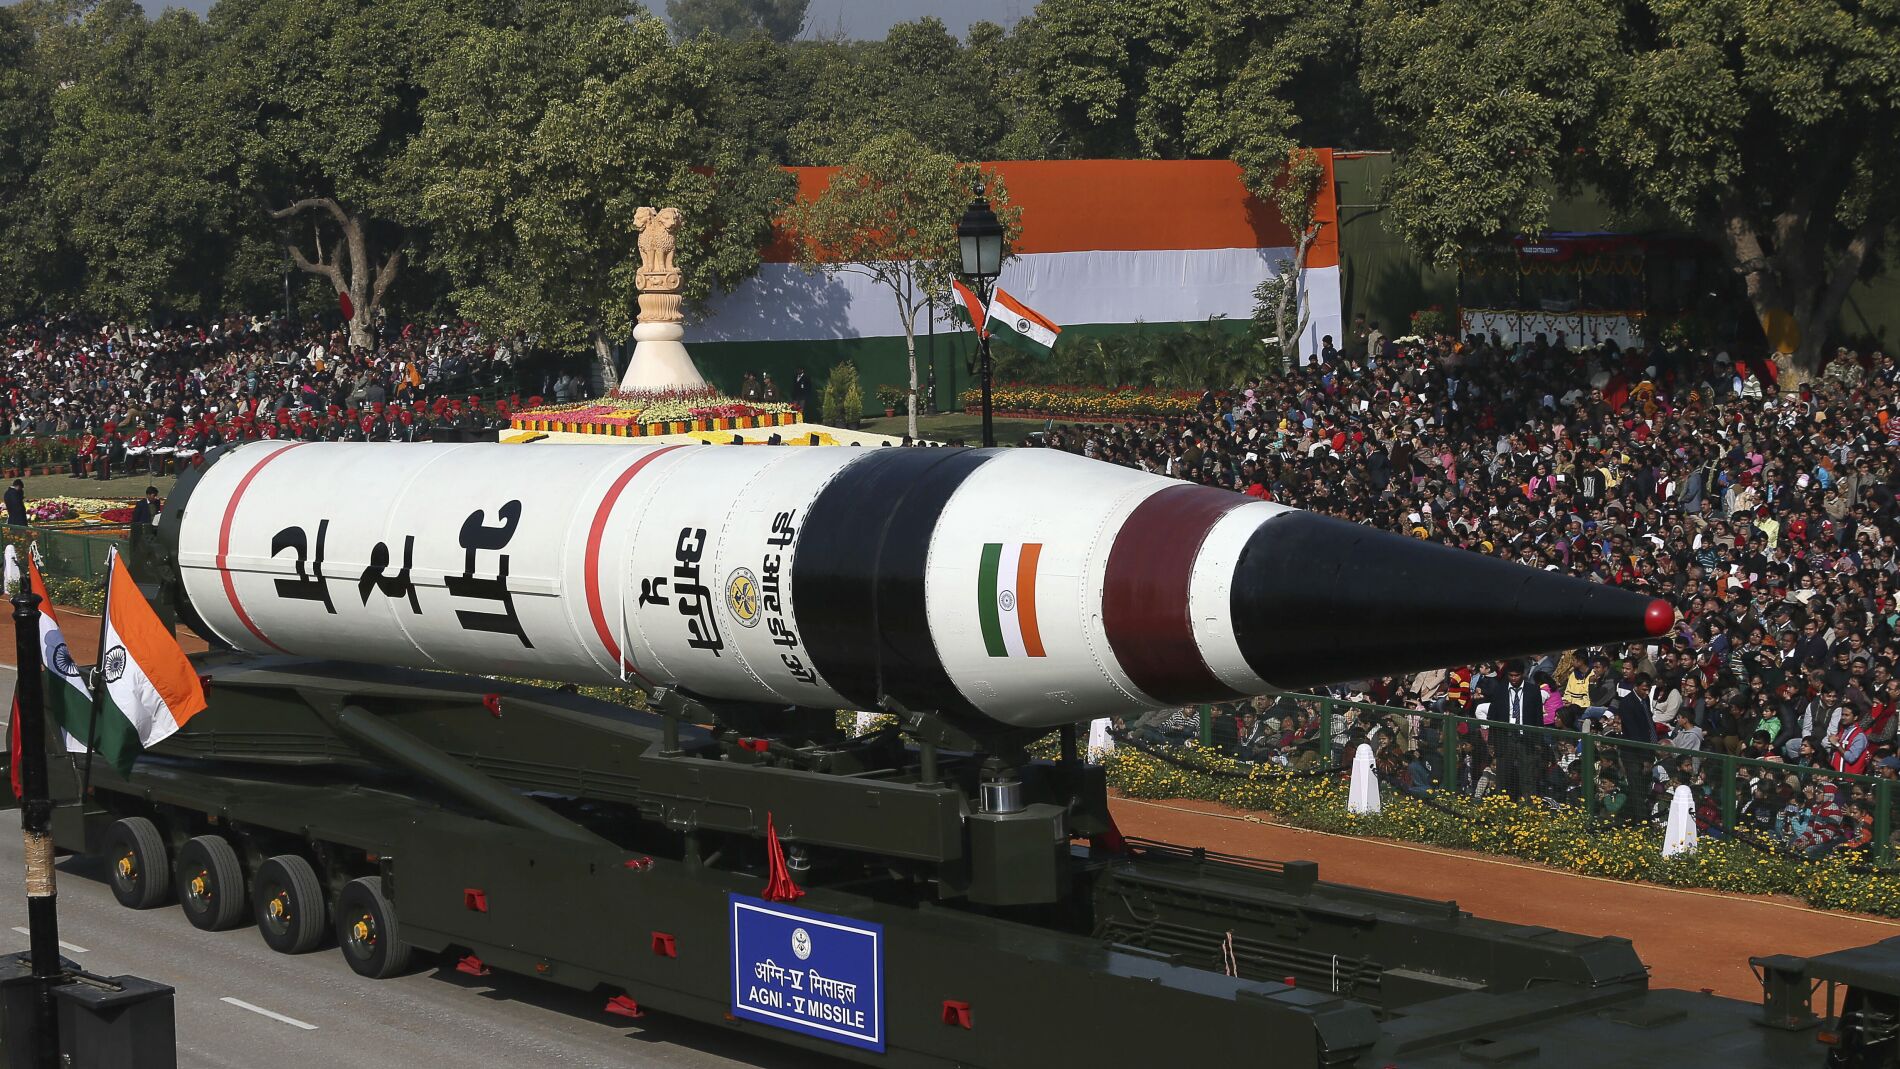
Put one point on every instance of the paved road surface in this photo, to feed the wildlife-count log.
(230, 985)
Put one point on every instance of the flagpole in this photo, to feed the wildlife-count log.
(97, 689)
(36, 825)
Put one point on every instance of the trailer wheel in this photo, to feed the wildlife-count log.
(210, 883)
(366, 929)
(139, 868)
(289, 904)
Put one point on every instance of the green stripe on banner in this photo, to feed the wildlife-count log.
(986, 599)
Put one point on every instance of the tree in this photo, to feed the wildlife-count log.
(1769, 127)
(1296, 198)
(919, 80)
(543, 137)
(316, 104)
(780, 20)
(1179, 79)
(889, 214)
(142, 227)
(25, 120)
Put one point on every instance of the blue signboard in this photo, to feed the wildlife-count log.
(808, 972)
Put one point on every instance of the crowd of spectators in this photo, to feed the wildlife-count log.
(142, 399)
(1766, 516)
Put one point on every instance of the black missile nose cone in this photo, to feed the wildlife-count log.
(1318, 600)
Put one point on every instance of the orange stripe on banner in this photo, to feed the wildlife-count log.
(1026, 598)
(150, 644)
(1135, 205)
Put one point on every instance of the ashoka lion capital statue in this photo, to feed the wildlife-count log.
(659, 361)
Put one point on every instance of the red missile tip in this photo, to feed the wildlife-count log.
(1658, 618)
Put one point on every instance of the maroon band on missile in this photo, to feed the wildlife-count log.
(1145, 593)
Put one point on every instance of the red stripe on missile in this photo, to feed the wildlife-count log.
(1145, 595)
(224, 546)
(591, 580)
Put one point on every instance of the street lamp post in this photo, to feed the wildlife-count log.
(980, 242)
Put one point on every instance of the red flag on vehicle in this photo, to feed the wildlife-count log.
(778, 884)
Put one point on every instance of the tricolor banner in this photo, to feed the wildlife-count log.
(1103, 242)
(1015, 323)
(1006, 599)
(151, 688)
(62, 683)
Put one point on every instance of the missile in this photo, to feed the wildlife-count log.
(1027, 587)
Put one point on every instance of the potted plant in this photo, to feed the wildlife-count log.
(890, 397)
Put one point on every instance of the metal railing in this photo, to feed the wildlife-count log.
(68, 553)
(1331, 726)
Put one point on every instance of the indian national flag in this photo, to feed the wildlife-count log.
(62, 684)
(1012, 321)
(967, 304)
(1006, 599)
(151, 689)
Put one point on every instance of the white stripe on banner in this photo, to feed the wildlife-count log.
(782, 303)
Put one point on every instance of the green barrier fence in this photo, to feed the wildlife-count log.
(1520, 760)
(69, 554)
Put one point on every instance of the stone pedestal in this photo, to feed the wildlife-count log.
(659, 361)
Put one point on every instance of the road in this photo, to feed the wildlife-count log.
(241, 1005)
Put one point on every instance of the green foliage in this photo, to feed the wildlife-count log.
(777, 20)
(1182, 79)
(1772, 127)
(1564, 838)
(854, 405)
(1200, 357)
(839, 387)
(890, 397)
(541, 138)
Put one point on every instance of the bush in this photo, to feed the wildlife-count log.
(1205, 356)
(891, 397)
(840, 389)
(1431, 322)
(1563, 837)
(853, 405)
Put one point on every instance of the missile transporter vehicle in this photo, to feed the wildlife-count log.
(926, 895)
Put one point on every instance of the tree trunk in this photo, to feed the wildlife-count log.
(910, 351)
(604, 360)
(349, 269)
(1796, 281)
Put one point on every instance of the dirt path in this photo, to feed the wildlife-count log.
(1690, 939)
(82, 637)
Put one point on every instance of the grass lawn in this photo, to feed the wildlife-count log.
(950, 426)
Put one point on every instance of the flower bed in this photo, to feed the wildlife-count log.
(1563, 838)
(1083, 402)
(73, 511)
(636, 414)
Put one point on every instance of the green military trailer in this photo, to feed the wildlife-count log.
(890, 899)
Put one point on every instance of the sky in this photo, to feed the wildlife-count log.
(856, 18)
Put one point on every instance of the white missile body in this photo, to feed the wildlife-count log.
(1028, 586)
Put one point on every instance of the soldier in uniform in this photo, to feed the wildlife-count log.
(103, 449)
(82, 456)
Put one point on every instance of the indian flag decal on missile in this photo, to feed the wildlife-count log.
(1006, 599)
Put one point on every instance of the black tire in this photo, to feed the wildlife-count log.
(137, 863)
(367, 931)
(288, 901)
(211, 883)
